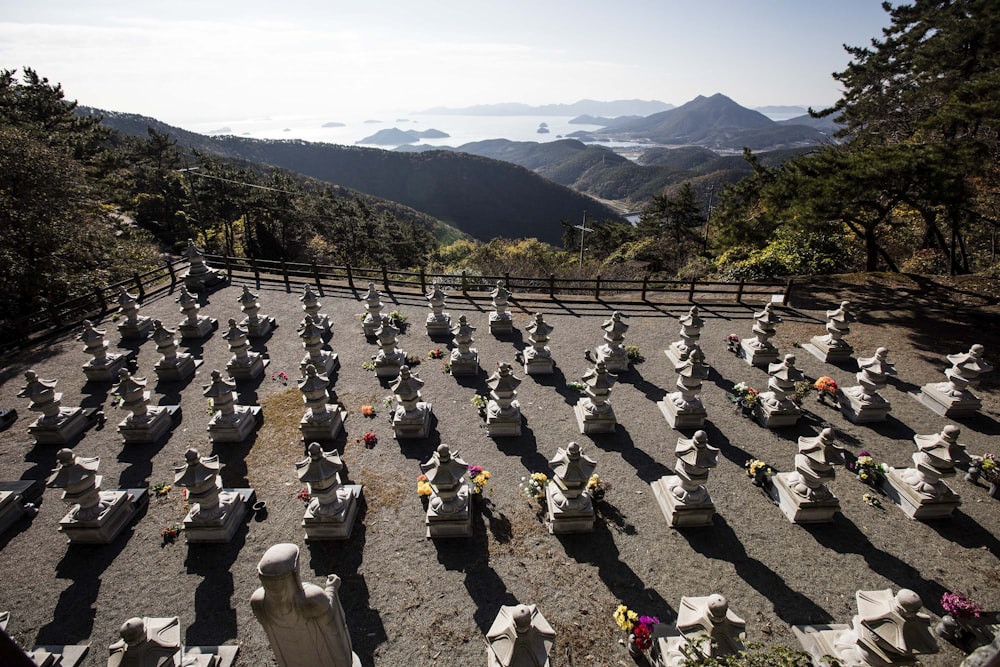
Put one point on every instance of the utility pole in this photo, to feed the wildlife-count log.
(583, 232)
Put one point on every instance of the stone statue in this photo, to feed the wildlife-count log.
(305, 624)
(143, 644)
(520, 637)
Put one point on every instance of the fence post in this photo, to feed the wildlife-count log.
(645, 285)
(506, 280)
(787, 294)
(229, 268)
(465, 284)
(256, 271)
(54, 316)
(350, 276)
(173, 276)
(691, 292)
(597, 287)
(99, 293)
(319, 286)
(423, 281)
(552, 285)
(284, 274)
(385, 279)
(739, 292)
(138, 286)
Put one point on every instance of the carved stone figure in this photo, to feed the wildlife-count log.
(803, 495)
(682, 497)
(194, 326)
(312, 306)
(244, 364)
(691, 326)
(503, 412)
(256, 325)
(95, 516)
(324, 361)
(331, 512)
(759, 350)
(215, 513)
(412, 417)
(569, 508)
(953, 398)
(321, 421)
(612, 352)
(372, 319)
(305, 624)
(519, 637)
(538, 357)
(56, 425)
(832, 348)
(683, 408)
(448, 512)
(594, 412)
(919, 491)
(230, 422)
(500, 320)
(438, 322)
(104, 365)
(774, 408)
(199, 276)
(146, 423)
(134, 326)
(863, 403)
(704, 625)
(464, 358)
(390, 358)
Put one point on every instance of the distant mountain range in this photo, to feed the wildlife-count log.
(611, 109)
(482, 197)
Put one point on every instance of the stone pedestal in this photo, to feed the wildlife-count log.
(230, 422)
(832, 348)
(812, 508)
(803, 495)
(331, 513)
(149, 428)
(216, 513)
(759, 351)
(200, 277)
(412, 417)
(322, 421)
(464, 359)
(594, 413)
(57, 425)
(689, 513)
(244, 364)
(861, 407)
(255, 324)
(569, 508)
(501, 323)
(438, 322)
(133, 326)
(774, 408)
(538, 357)
(503, 413)
(519, 637)
(612, 353)
(706, 627)
(937, 501)
(104, 366)
(324, 361)
(157, 641)
(448, 509)
(193, 326)
(390, 359)
(691, 326)
(173, 366)
(683, 408)
(58, 656)
(13, 505)
(953, 398)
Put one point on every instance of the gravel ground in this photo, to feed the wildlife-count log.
(408, 598)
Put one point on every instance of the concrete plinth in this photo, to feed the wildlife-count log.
(465, 367)
(937, 397)
(830, 354)
(413, 426)
(160, 420)
(222, 529)
(107, 372)
(190, 331)
(680, 418)
(603, 421)
(324, 429)
(388, 367)
(123, 505)
(820, 641)
(337, 526)
(245, 421)
(62, 431)
(501, 426)
(262, 327)
(183, 369)
(763, 356)
(860, 410)
(502, 325)
(136, 331)
(439, 327)
(616, 361)
(784, 415)
(11, 509)
(49, 655)
(327, 363)
(248, 371)
(917, 505)
(798, 509)
(449, 525)
(564, 521)
(678, 514)
(539, 365)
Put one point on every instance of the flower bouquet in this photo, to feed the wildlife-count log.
(304, 496)
(759, 471)
(826, 388)
(867, 469)
(436, 353)
(638, 629)
(597, 487)
(478, 479)
(369, 438)
(733, 343)
(745, 397)
(170, 533)
(534, 486)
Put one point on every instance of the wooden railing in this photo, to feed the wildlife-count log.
(467, 283)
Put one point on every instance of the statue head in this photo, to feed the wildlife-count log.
(278, 570)
(133, 632)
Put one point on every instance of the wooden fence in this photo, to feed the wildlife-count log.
(20, 332)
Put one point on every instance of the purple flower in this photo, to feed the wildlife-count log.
(649, 621)
(475, 470)
(864, 452)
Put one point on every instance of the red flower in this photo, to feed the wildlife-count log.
(643, 638)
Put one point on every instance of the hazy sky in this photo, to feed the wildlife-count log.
(190, 61)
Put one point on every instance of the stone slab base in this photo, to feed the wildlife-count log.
(125, 504)
(164, 417)
(205, 281)
(615, 363)
(819, 640)
(439, 328)
(826, 353)
(261, 328)
(414, 429)
(238, 432)
(59, 656)
(682, 419)
(465, 367)
(387, 370)
(677, 514)
(205, 326)
(756, 357)
(106, 373)
(776, 418)
(562, 522)
(139, 331)
(857, 412)
(222, 530)
(540, 366)
(210, 656)
(369, 329)
(182, 370)
(65, 431)
(948, 406)
(248, 372)
(323, 430)
(594, 424)
(330, 363)
(334, 527)
(501, 326)
(915, 505)
(796, 508)
(11, 509)
(502, 427)
(460, 526)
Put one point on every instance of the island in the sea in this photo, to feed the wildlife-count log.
(397, 137)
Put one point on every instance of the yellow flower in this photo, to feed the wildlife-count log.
(625, 618)
(424, 489)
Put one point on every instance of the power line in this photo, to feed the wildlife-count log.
(194, 171)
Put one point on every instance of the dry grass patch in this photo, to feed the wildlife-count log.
(384, 490)
(278, 442)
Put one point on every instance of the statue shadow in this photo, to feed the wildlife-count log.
(171, 389)
(84, 564)
(232, 456)
(648, 389)
(720, 542)
(245, 389)
(605, 510)
(421, 449)
(844, 537)
(477, 381)
(524, 446)
(44, 459)
(891, 428)
(214, 609)
(963, 530)
(472, 557)
(646, 467)
(979, 422)
(496, 522)
(140, 460)
(903, 386)
(259, 343)
(344, 558)
(598, 548)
